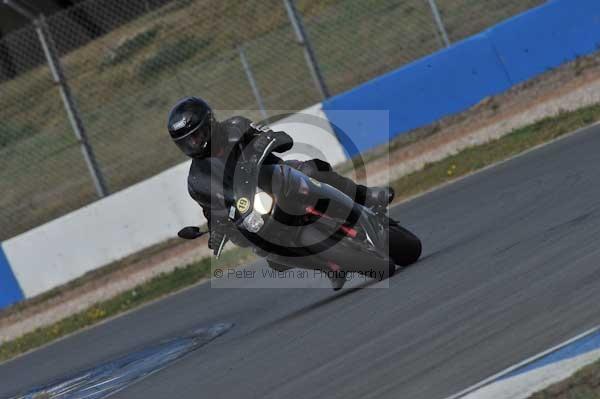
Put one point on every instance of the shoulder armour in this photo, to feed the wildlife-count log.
(236, 127)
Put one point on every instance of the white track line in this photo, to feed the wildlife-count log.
(525, 362)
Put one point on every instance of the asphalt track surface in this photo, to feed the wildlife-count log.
(511, 267)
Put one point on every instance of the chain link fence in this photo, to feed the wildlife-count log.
(127, 62)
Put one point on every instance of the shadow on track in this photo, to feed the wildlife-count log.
(309, 308)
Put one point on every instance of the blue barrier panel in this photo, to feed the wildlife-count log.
(546, 37)
(454, 79)
(357, 129)
(10, 291)
(422, 92)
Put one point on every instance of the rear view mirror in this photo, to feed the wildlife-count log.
(190, 233)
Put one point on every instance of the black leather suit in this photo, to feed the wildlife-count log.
(208, 176)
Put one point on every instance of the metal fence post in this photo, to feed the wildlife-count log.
(252, 81)
(73, 113)
(439, 22)
(309, 53)
(51, 54)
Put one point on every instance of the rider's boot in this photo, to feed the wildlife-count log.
(337, 282)
(376, 198)
(278, 266)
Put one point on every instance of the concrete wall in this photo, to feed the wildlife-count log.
(126, 222)
(456, 78)
(107, 230)
(313, 136)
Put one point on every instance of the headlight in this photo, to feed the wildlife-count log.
(263, 203)
(253, 222)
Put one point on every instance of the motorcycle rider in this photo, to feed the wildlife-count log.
(211, 145)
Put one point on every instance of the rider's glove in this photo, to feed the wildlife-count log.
(216, 236)
(214, 240)
(282, 141)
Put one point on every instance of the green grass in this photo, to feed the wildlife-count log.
(125, 81)
(11, 133)
(475, 158)
(584, 384)
(130, 47)
(171, 56)
(157, 287)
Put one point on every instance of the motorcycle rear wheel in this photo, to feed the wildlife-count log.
(405, 247)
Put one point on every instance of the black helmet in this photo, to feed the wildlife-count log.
(190, 124)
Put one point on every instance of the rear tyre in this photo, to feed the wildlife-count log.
(405, 247)
(391, 269)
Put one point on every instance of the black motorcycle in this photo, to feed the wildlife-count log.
(295, 221)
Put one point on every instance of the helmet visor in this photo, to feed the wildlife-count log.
(196, 143)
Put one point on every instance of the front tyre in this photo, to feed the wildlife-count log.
(405, 247)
